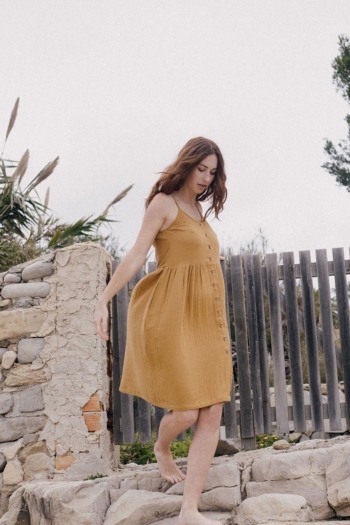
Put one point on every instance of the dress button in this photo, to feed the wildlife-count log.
(206, 235)
(215, 285)
(210, 259)
(212, 271)
(209, 246)
(219, 312)
(226, 351)
(222, 326)
(225, 338)
(217, 298)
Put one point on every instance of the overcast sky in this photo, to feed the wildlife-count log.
(116, 88)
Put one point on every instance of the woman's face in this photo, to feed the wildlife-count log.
(203, 174)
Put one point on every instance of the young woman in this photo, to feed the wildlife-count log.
(178, 353)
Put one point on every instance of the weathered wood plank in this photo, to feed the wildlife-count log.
(117, 409)
(229, 412)
(144, 420)
(313, 269)
(127, 406)
(328, 340)
(239, 314)
(263, 356)
(277, 343)
(253, 344)
(291, 307)
(344, 320)
(158, 413)
(311, 340)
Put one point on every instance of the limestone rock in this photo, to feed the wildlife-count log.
(17, 509)
(37, 270)
(5, 302)
(221, 499)
(20, 322)
(223, 517)
(12, 278)
(2, 462)
(338, 478)
(6, 402)
(2, 352)
(279, 507)
(30, 438)
(153, 510)
(228, 447)
(24, 375)
(124, 507)
(31, 448)
(29, 349)
(12, 428)
(10, 449)
(14, 291)
(281, 444)
(37, 466)
(295, 436)
(89, 467)
(222, 475)
(312, 488)
(13, 473)
(129, 484)
(8, 359)
(31, 399)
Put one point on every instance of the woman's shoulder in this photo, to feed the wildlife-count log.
(161, 203)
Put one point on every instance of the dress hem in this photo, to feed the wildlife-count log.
(221, 399)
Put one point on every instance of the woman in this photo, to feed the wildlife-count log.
(178, 352)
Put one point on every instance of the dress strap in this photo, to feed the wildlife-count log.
(175, 200)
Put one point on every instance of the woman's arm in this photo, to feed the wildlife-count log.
(155, 216)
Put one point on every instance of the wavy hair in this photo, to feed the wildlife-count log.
(173, 177)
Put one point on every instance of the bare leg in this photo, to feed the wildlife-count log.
(200, 456)
(171, 425)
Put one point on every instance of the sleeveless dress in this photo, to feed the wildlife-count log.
(178, 351)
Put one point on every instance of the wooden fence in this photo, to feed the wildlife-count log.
(255, 294)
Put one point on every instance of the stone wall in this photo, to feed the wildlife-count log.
(55, 372)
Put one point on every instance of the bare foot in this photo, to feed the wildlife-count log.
(167, 466)
(194, 517)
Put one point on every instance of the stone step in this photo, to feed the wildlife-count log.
(224, 517)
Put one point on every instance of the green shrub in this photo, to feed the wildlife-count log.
(142, 453)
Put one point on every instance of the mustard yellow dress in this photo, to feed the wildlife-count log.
(178, 351)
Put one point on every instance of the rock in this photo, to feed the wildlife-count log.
(150, 484)
(30, 438)
(2, 352)
(14, 323)
(12, 278)
(31, 399)
(17, 511)
(222, 475)
(129, 484)
(12, 428)
(338, 478)
(29, 349)
(312, 488)
(279, 507)
(221, 499)
(32, 448)
(304, 437)
(153, 510)
(37, 466)
(6, 402)
(131, 500)
(2, 462)
(281, 444)
(10, 449)
(89, 467)
(37, 270)
(8, 359)
(228, 447)
(24, 375)
(14, 291)
(26, 302)
(295, 436)
(69, 503)
(5, 302)
(13, 473)
(223, 517)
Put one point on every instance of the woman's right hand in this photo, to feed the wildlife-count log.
(101, 320)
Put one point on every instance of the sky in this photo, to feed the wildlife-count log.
(117, 87)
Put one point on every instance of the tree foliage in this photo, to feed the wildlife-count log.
(27, 230)
(339, 155)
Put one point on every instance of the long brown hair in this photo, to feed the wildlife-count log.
(193, 152)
